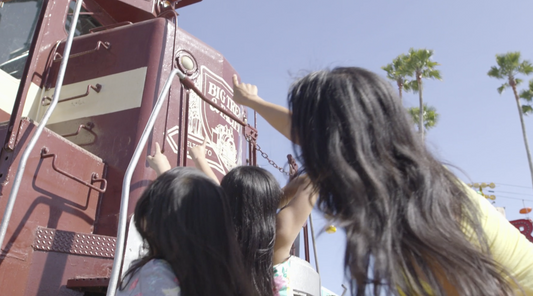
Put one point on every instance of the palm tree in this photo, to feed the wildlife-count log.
(397, 71)
(510, 65)
(421, 66)
(431, 117)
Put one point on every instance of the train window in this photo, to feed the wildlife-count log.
(18, 19)
(85, 21)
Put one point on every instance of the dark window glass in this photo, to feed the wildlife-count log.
(85, 21)
(18, 19)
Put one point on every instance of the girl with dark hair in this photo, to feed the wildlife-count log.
(184, 218)
(410, 223)
(265, 237)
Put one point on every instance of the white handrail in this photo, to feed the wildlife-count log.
(314, 244)
(125, 198)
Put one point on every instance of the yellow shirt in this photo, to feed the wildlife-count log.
(509, 247)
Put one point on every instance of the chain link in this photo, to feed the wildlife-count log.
(265, 156)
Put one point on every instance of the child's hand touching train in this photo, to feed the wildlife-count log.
(158, 162)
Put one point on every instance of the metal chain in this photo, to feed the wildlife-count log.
(264, 155)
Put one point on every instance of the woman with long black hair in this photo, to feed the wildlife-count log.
(185, 219)
(412, 227)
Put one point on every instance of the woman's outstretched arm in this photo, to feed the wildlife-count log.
(277, 116)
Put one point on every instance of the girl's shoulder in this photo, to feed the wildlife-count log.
(153, 278)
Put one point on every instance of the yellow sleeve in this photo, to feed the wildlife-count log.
(509, 247)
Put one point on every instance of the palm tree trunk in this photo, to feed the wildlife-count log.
(523, 130)
(421, 111)
(400, 86)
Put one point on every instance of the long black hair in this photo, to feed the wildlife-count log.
(185, 219)
(400, 207)
(254, 196)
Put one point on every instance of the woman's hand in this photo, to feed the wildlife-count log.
(158, 162)
(243, 93)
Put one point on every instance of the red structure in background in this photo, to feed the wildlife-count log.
(525, 226)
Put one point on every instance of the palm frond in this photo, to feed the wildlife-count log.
(503, 87)
(420, 63)
(434, 74)
(431, 117)
(525, 67)
(398, 68)
(526, 94)
(495, 72)
(527, 109)
(410, 86)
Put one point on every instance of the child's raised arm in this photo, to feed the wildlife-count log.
(159, 162)
(292, 217)
(197, 154)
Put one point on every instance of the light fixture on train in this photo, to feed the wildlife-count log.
(187, 63)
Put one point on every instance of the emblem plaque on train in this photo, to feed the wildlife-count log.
(224, 141)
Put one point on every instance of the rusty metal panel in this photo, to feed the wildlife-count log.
(53, 240)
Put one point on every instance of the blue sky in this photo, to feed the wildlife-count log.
(270, 43)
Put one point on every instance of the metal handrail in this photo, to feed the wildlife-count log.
(125, 198)
(23, 160)
(313, 240)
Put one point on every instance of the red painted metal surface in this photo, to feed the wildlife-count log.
(4, 116)
(46, 199)
(50, 273)
(73, 180)
(525, 226)
(94, 285)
